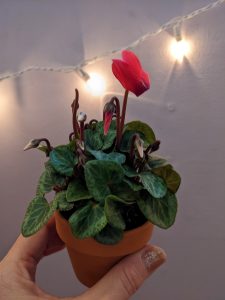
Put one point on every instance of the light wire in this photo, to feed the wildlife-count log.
(79, 67)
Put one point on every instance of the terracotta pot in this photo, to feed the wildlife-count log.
(92, 260)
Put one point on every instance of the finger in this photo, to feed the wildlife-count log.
(127, 276)
(54, 243)
(44, 242)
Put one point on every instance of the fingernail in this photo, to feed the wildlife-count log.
(153, 257)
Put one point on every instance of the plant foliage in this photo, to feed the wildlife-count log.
(107, 179)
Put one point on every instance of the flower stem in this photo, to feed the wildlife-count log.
(89, 125)
(71, 136)
(75, 106)
(117, 103)
(82, 131)
(152, 147)
(81, 156)
(49, 147)
(123, 114)
(93, 121)
(132, 148)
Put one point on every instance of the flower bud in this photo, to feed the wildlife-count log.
(108, 111)
(82, 117)
(155, 146)
(32, 144)
(110, 108)
(139, 143)
(80, 144)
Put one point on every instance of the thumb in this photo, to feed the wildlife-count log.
(128, 275)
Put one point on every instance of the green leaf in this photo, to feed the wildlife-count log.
(95, 138)
(144, 128)
(156, 162)
(113, 212)
(92, 139)
(88, 220)
(111, 135)
(60, 199)
(100, 175)
(109, 235)
(63, 160)
(72, 145)
(109, 139)
(124, 193)
(77, 190)
(171, 177)
(100, 126)
(48, 179)
(154, 184)
(161, 212)
(133, 185)
(37, 215)
(113, 156)
(130, 172)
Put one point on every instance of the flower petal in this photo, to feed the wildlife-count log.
(130, 73)
(129, 79)
(145, 79)
(124, 73)
(120, 70)
(130, 58)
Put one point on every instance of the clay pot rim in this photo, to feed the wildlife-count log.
(133, 240)
(127, 233)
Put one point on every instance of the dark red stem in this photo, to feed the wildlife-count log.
(47, 144)
(82, 131)
(75, 106)
(93, 121)
(132, 148)
(152, 147)
(117, 104)
(89, 125)
(81, 157)
(123, 115)
(71, 136)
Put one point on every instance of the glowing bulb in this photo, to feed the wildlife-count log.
(179, 49)
(96, 84)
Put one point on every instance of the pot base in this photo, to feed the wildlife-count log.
(92, 260)
(90, 269)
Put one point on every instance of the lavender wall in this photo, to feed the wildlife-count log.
(185, 106)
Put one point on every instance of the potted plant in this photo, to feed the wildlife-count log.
(109, 186)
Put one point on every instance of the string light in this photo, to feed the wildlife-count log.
(183, 47)
(179, 47)
(96, 84)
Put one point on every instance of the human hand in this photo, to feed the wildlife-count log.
(18, 268)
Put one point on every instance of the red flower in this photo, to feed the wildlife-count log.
(130, 74)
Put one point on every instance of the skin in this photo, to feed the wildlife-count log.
(18, 268)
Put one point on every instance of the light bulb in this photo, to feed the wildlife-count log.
(96, 84)
(179, 49)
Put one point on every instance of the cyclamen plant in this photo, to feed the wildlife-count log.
(106, 179)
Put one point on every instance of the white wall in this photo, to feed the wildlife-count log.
(185, 106)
